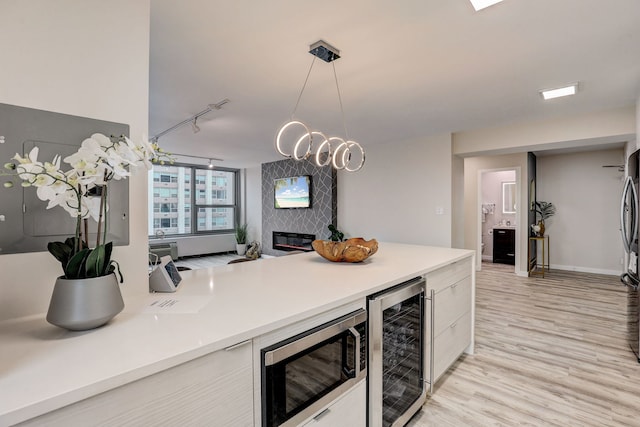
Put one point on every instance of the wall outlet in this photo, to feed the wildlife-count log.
(439, 210)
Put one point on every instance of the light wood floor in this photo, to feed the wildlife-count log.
(549, 352)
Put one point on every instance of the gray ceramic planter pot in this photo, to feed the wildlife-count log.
(81, 304)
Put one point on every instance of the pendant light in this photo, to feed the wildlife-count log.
(298, 141)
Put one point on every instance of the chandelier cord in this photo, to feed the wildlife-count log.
(313, 61)
(344, 122)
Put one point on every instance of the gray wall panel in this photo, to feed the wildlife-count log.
(324, 205)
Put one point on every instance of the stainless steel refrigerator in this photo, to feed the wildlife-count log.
(629, 212)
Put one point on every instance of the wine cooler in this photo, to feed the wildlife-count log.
(396, 361)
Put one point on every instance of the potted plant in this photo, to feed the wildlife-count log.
(544, 210)
(336, 235)
(241, 238)
(87, 295)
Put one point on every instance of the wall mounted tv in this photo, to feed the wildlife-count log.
(292, 192)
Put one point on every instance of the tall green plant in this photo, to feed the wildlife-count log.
(241, 234)
(545, 210)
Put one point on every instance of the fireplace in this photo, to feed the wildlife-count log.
(283, 241)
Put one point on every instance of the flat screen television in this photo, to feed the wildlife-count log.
(292, 192)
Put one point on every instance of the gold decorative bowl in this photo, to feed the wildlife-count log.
(352, 250)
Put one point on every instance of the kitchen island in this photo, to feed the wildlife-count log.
(44, 368)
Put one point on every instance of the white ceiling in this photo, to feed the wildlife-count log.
(408, 67)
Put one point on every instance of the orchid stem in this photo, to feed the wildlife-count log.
(103, 193)
(78, 234)
(86, 232)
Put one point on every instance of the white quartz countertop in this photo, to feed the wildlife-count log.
(43, 368)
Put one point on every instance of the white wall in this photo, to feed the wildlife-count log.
(457, 202)
(584, 234)
(610, 126)
(394, 197)
(253, 204)
(87, 58)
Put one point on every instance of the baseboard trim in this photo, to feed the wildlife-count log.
(585, 269)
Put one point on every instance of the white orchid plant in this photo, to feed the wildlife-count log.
(82, 192)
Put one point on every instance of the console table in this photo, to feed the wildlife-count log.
(532, 262)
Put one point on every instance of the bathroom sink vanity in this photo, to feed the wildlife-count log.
(504, 245)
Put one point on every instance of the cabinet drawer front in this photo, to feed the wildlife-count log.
(451, 303)
(445, 276)
(215, 388)
(348, 410)
(449, 345)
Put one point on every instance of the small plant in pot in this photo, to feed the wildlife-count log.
(241, 238)
(336, 235)
(545, 210)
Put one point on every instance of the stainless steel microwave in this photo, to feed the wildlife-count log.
(305, 373)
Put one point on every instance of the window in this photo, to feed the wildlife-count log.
(191, 200)
(166, 193)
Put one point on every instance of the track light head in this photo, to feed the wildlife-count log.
(210, 164)
(194, 126)
(219, 105)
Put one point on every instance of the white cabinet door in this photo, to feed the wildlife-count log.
(449, 316)
(213, 390)
(451, 303)
(350, 410)
(449, 345)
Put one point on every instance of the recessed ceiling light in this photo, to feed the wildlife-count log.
(558, 92)
(481, 4)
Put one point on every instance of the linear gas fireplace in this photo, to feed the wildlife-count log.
(283, 241)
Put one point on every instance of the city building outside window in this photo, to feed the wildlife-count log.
(190, 200)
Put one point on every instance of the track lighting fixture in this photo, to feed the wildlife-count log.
(192, 120)
(210, 159)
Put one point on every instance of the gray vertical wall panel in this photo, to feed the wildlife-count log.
(54, 133)
(324, 204)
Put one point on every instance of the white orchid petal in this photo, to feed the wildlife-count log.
(103, 140)
(33, 154)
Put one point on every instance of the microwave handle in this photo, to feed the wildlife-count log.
(279, 354)
(352, 373)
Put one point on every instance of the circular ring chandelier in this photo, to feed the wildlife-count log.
(335, 151)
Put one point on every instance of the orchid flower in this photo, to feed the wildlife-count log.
(98, 160)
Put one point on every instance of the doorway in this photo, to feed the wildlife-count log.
(498, 214)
